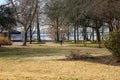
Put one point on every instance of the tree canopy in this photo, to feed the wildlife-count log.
(7, 19)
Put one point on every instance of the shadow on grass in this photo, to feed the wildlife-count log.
(107, 60)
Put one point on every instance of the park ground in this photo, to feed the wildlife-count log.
(48, 62)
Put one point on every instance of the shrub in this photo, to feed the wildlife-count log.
(78, 55)
(112, 43)
(5, 41)
(74, 54)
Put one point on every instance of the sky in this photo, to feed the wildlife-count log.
(2, 1)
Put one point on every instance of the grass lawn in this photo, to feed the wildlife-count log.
(49, 63)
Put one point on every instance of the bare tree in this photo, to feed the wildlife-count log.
(25, 13)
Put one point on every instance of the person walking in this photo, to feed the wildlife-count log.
(61, 42)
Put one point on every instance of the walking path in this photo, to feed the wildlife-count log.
(46, 44)
(17, 43)
(20, 43)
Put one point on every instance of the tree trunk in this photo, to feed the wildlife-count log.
(93, 36)
(38, 30)
(110, 26)
(9, 35)
(118, 25)
(68, 34)
(84, 36)
(57, 31)
(75, 34)
(98, 36)
(102, 33)
(25, 38)
(30, 34)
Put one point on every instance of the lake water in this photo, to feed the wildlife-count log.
(46, 37)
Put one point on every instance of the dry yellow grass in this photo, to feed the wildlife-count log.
(57, 70)
(55, 67)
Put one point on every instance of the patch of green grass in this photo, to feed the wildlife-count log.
(31, 51)
(82, 45)
(38, 42)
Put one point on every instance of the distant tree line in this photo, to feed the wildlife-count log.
(7, 19)
(65, 15)
(83, 13)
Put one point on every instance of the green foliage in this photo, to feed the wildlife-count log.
(113, 44)
(5, 41)
(7, 19)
